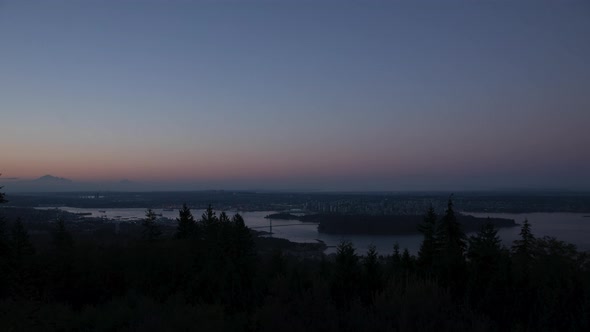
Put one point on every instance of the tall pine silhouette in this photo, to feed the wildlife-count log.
(151, 230)
(186, 223)
(451, 248)
(20, 243)
(428, 247)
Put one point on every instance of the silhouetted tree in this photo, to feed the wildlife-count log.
(373, 273)
(2, 195)
(346, 278)
(208, 217)
(450, 235)
(186, 223)
(242, 237)
(241, 254)
(5, 269)
(4, 248)
(370, 261)
(523, 252)
(429, 244)
(233, 241)
(21, 245)
(485, 246)
(62, 239)
(451, 248)
(485, 256)
(151, 230)
(523, 247)
(396, 253)
(346, 255)
(556, 285)
(395, 258)
(407, 262)
(223, 218)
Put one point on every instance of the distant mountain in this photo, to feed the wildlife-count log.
(52, 179)
(46, 183)
(51, 183)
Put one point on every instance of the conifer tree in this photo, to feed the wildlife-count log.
(4, 247)
(151, 230)
(346, 278)
(211, 229)
(429, 244)
(62, 239)
(450, 262)
(186, 223)
(484, 253)
(450, 236)
(223, 217)
(20, 243)
(523, 247)
(243, 250)
(5, 254)
(406, 260)
(396, 257)
(242, 237)
(2, 195)
(208, 217)
(523, 251)
(485, 245)
(370, 260)
(373, 274)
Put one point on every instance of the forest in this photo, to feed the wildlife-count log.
(212, 274)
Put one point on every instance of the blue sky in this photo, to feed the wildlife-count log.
(347, 95)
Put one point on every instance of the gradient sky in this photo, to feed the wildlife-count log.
(330, 95)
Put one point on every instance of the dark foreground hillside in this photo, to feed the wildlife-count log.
(213, 274)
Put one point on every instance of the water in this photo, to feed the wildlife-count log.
(569, 227)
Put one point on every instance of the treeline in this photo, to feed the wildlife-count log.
(210, 276)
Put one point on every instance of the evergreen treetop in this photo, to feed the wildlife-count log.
(21, 245)
(2, 195)
(428, 246)
(151, 230)
(62, 239)
(186, 223)
(450, 235)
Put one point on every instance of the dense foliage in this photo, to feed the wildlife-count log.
(211, 276)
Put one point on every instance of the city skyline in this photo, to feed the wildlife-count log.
(297, 95)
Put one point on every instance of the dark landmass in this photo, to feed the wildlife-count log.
(218, 275)
(382, 203)
(222, 200)
(283, 216)
(385, 225)
(389, 225)
(40, 223)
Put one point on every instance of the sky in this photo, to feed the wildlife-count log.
(303, 95)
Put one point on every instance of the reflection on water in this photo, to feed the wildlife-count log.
(569, 227)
